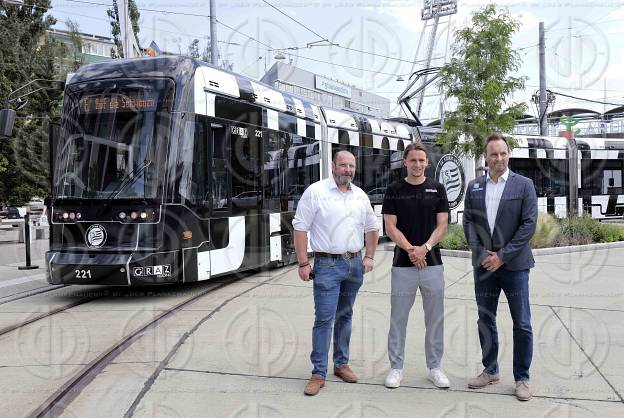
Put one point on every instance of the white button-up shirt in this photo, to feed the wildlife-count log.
(493, 194)
(336, 221)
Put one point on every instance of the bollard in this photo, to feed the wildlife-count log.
(28, 266)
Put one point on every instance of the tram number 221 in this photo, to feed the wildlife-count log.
(83, 274)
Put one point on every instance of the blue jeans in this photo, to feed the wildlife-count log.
(336, 283)
(515, 284)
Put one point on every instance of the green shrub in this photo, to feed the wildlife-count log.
(585, 230)
(611, 233)
(546, 231)
(455, 238)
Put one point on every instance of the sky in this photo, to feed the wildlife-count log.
(379, 40)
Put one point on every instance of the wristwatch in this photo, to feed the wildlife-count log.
(428, 246)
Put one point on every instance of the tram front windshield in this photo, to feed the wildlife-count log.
(114, 135)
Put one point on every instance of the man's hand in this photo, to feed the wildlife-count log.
(420, 263)
(492, 262)
(304, 273)
(369, 264)
(417, 252)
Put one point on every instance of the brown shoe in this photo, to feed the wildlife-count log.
(522, 390)
(483, 380)
(345, 373)
(314, 385)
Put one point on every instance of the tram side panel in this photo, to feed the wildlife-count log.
(257, 181)
(599, 176)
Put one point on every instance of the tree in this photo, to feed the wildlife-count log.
(74, 33)
(193, 49)
(26, 54)
(478, 78)
(113, 14)
(194, 52)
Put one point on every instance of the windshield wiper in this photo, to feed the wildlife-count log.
(129, 179)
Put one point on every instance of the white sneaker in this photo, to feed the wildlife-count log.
(393, 380)
(438, 378)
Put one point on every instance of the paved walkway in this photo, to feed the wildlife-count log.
(251, 356)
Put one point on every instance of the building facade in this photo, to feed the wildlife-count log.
(325, 91)
(94, 48)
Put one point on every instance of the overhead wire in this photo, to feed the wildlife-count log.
(584, 99)
(144, 9)
(331, 44)
(296, 21)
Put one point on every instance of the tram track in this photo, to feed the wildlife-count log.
(56, 404)
(14, 327)
(28, 293)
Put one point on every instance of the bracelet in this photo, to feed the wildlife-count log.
(304, 265)
(368, 256)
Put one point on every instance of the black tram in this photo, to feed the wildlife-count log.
(167, 170)
(545, 160)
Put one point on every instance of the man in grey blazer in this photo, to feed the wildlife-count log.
(500, 213)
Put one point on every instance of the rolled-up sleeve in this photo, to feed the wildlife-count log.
(305, 212)
(370, 222)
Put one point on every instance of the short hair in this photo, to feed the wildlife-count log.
(342, 151)
(495, 137)
(415, 146)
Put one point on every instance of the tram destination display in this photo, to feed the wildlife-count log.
(115, 102)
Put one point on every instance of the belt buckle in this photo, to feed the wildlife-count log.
(347, 255)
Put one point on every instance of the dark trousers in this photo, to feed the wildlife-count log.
(515, 284)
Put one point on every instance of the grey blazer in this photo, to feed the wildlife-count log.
(514, 225)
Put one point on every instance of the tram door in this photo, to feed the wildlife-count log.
(246, 159)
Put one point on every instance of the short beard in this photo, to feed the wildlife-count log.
(342, 180)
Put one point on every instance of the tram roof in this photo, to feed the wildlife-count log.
(182, 68)
(171, 66)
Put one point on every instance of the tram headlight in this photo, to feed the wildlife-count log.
(65, 215)
(122, 215)
(143, 216)
(134, 215)
(72, 216)
(78, 215)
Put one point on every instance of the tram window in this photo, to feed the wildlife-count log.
(274, 170)
(287, 123)
(245, 170)
(374, 166)
(199, 182)
(237, 111)
(303, 162)
(549, 176)
(119, 131)
(219, 186)
(397, 169)
(599, 173)
(192, 162)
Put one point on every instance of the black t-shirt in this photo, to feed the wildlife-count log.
(416, 209)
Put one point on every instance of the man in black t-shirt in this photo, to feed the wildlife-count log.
(416, 218)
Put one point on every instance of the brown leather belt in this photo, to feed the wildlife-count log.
(345, 256)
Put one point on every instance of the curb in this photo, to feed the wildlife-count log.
(547, 251)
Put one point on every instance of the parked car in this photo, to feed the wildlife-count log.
(36, 204)
(15, 212)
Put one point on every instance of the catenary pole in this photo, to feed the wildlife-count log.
(213, 33)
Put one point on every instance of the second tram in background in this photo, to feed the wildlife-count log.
(545, 160)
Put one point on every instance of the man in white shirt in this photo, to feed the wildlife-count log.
(340, 220)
